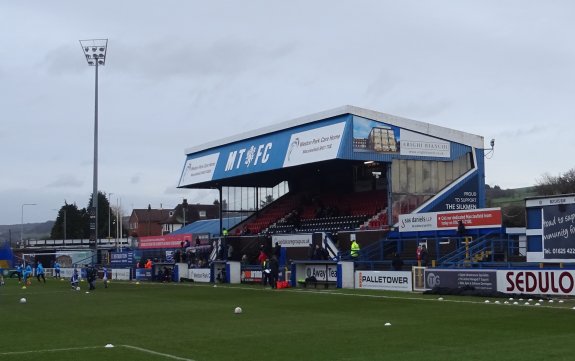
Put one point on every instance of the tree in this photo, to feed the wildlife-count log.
(103, 209)
(267, 200)
(513, 215)
(70, 223)
(562, 184)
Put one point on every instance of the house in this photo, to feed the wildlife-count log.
(147, 222)
(185, 214)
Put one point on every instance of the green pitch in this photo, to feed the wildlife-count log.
(197, 322)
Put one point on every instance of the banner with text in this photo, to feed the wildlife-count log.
(434, 221)
(251, 276)
(559, 231)
(122, 259)
(322, 272)
(557, 282)
(199, 274)
(121, 274)
(384, 280)
(314, 145)
(293, 240)
(167, 241)
(143, 274)
(480, 280)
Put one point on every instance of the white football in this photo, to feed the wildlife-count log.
(238, 310)
(22, 300)
(77, 288)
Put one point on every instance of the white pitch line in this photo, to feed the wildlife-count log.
(156, 353)
(50, 350)
(95, 347)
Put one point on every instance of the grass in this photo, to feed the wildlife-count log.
(197, 322)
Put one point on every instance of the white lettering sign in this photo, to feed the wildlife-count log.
(314, 145)
(296, 240)
(384, 280)
(416, 144)
(121, 274)
(199, 274)
(322, 272)
(253, 155)
(199, 170)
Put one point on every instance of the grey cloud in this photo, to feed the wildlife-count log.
(522, 132)
(171, 58)
(381, 85)
(421, 108)
(66, 181)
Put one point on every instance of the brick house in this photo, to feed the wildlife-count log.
(147, 222)
(185, 214)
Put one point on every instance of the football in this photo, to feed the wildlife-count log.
(238, 310)
(22, 300)
(77, 288)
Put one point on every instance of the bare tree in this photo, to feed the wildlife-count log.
(560, 184)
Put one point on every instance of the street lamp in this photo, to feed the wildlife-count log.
(22, 222)
(95, 53)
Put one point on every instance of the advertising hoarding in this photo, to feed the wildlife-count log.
(293, 240)
(201, 275)
(122, 259)
(484, 280)
(416, 144)
(198, 170)
(322, 272)
(433, 221)
(559, 231)
(287, 148)
(314, 145)
(167, 241)
(384, 280)
(553, 282)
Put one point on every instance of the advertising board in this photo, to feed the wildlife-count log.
(251, 276)
(322, 272)
(484, 280)
(552, 282)
(199, 274)
(416, 144)
(292, 240)
(559, 231)
(122, 259)
(166, 241)
(433, 221)
(384, 280)
(143, 274)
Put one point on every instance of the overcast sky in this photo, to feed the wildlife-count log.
(182, 73)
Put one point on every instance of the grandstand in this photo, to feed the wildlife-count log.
(343, 171)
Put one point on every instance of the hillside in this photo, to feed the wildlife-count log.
(511, 201)
(31, 231)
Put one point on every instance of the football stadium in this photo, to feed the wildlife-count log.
(348, 234)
